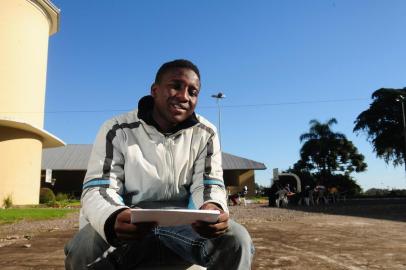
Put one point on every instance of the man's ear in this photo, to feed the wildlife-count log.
(154, 87)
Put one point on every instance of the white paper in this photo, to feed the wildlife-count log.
(173, 217)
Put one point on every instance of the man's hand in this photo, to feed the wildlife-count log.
(127, 231)
(211, 230)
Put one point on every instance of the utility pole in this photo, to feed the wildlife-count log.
(218, 97)
(401, 100)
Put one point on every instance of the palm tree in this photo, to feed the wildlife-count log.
(319, 130)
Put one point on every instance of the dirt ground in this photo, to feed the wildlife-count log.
(354, 235)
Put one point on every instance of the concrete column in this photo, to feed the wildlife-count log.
(20, 165)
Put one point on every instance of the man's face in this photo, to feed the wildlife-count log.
(175, 97)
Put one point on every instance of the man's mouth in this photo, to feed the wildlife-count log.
(179, 106)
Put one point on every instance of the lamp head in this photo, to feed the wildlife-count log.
(400, 98)
(219, 95)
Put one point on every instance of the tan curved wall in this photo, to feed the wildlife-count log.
(20, 166)
(24, 33)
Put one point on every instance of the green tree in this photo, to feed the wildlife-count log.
(382, 123)
(325, 152)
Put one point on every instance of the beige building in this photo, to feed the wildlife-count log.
(25, 27)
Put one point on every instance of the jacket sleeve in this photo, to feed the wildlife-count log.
(104, 180)
(208, 184)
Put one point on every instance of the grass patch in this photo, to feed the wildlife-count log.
(258, 199)
(64, 204)
(12, 215)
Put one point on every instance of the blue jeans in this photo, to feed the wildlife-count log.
(233, 250)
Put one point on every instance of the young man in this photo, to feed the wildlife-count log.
(162, 155)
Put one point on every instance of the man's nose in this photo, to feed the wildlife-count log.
(183, 94)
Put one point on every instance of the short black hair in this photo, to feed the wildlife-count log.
(178, 63)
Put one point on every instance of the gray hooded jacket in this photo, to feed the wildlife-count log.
(134, 164)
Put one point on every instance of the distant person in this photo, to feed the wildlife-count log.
(333, 194)
(245, 190)
(287, 188)
(235, 199)
(162, 155)
(320, 191)
(306, 196)
(281, 198)
(243, 193)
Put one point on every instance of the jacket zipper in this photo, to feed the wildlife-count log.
(171, 158)
(170, 172)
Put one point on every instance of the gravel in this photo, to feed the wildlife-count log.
(253, 213)
(25, 230)
(244, 214)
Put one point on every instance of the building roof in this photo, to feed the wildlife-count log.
(231, 162)
(76, 156)
(69, 157)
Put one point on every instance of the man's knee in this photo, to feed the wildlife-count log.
(233, 250)
(84, 248)
(238, 239)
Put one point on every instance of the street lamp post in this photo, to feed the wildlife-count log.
(218, 97)
(401, 100)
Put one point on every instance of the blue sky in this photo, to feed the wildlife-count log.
(280, 64)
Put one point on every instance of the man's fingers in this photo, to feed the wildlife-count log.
(219, 226)
(209, 234)
(223, 217)
(127, 231)
(210, 230)
(124, 216)
(136, 231)
(121, 227)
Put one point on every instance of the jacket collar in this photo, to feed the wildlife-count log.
(145, 106)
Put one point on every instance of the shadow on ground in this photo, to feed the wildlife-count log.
(388, 209)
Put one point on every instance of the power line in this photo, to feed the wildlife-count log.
(211, 107)
(294, 103)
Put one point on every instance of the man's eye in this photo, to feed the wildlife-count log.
(193, 93)
(176, 86)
